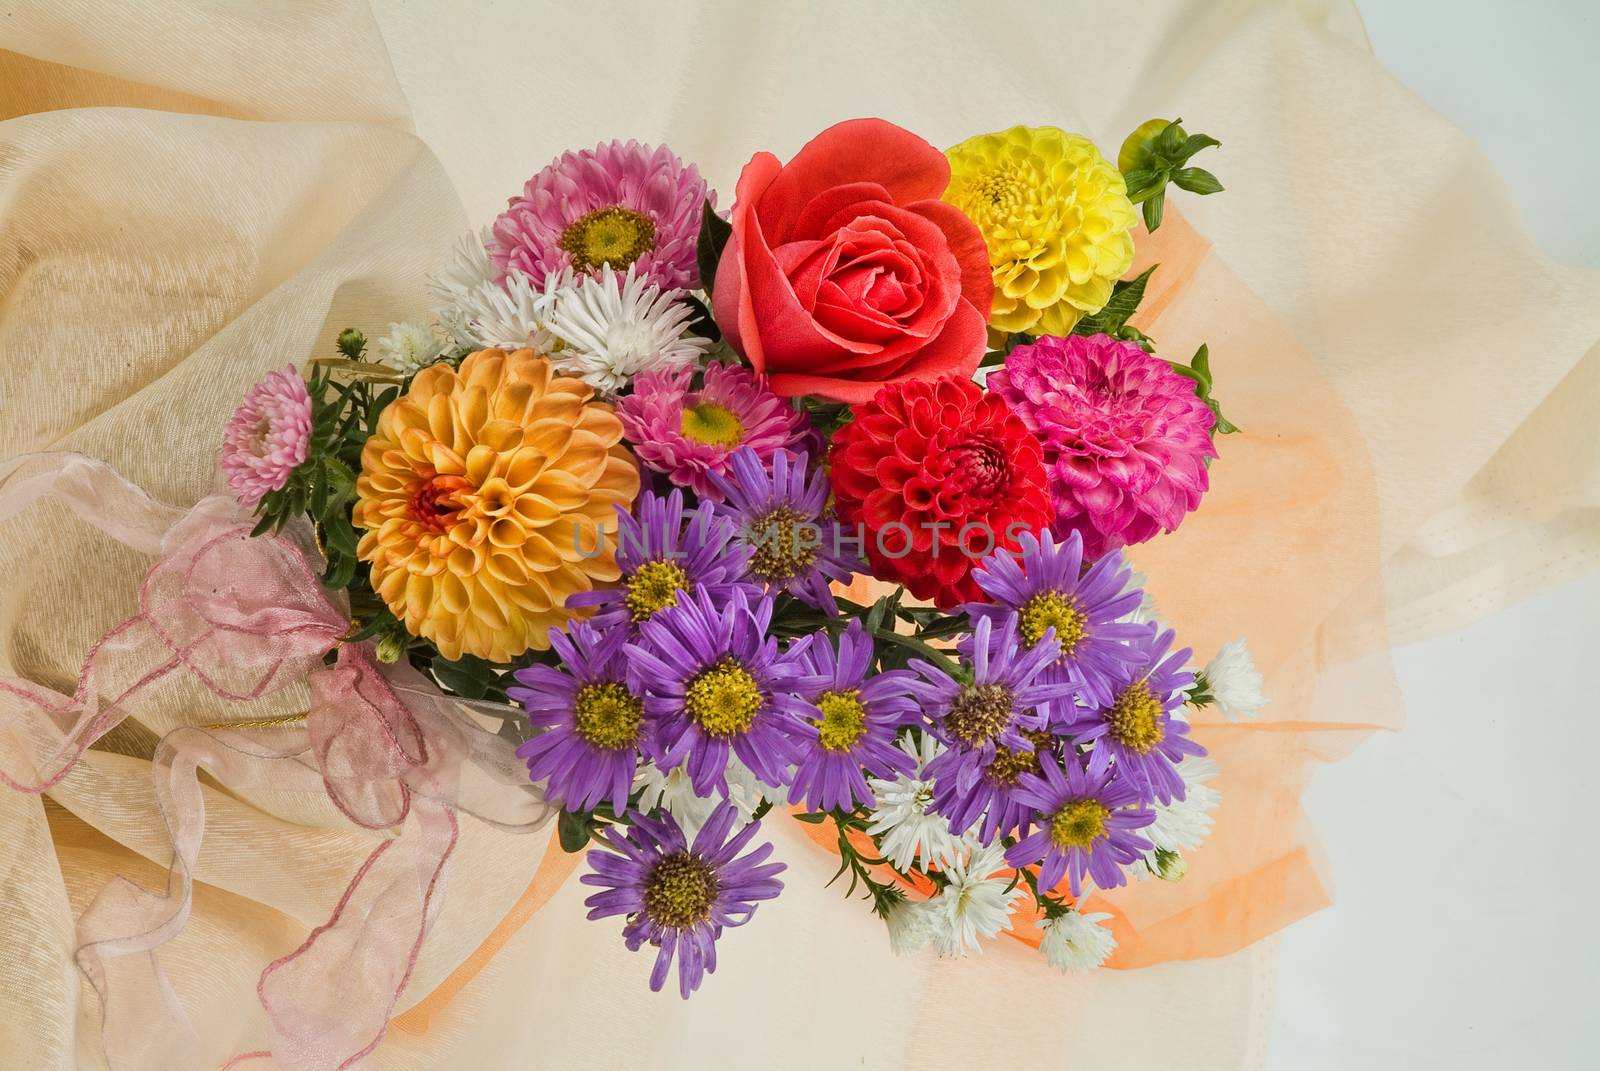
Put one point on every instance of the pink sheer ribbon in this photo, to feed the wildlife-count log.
(246, 617)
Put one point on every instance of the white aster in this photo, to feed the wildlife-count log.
(902, 818)
(1182, 825)
(409, 348)
(1234, 682)
(1146, 610)
(674, 793)
(478, 311)
(976, 904)
(612, 329)
(1076, 942)
(911, 926)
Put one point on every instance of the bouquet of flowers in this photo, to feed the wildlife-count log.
(817, 505)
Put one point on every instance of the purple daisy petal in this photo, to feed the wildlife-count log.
(847, 721)
(1088, 815)
(714, 683)
(679, 898)
(590, 720)
(782, 516)
(1136, 729)
(661, 555)
(1047, 588)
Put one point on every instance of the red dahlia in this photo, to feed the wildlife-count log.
(936, 475)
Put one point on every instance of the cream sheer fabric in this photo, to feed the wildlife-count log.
(192, 194)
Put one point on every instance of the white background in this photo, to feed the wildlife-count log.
(1461, 936)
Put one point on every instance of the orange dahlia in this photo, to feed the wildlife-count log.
(485, 494)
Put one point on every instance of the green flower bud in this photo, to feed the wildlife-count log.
(391, 648)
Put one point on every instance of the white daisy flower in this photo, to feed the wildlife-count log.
(612, 329)
(1234, 682)
(1182, 825)
(911, 927)
(901, 816)
(976, 904)
(409, 348)
(673, 792)
(1146, 610)
(1076, 942)
(478, 311)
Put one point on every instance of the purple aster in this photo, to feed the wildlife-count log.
(593, 721)
(678, 898)
(1137, 729)
(994, 795)
(713, 683)
(1088, 816)
(782, 516)
(848, 721)
(1006, 697)
(1048, 588)
(622, 204)
(660, 557)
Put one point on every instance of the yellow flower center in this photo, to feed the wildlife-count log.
(785, 544)
(1079, 824)
(617, 236)
(1135, 719)
(712, 424)
(608, 715)
(653, 587)
(1003, 188)
(1053, 610)
(724, 699)
(979, 714)
(843, 721)
(680, 891)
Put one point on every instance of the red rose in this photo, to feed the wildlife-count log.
(935, 476)
(845, 270)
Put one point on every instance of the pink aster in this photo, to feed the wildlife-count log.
(268, 436)
(689, 434)
(1125, 437)
(620, 204)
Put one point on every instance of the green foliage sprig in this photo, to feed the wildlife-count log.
(1157, 154)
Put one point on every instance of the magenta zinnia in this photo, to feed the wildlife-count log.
(622, 204)
(268, 436)
(1125, 437)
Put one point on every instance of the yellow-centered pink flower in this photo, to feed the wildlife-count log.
(485, 493)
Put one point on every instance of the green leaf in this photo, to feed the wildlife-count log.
(1170, 141)
(714, 234)
(1153, 211)
(339, 535)
(1141, 181)
(470, 677)
(574, 830)
(812, 818)
(1124, 302)
(703, 323)
(1195, 143)
(1196, 180)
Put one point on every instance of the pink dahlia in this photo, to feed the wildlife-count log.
(1125, 437)
(690, 434)
(268, 436)
(618, 204)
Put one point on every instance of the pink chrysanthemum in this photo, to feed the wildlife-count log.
(1125, 437)
(268, 436)
(620, 204)
(690, 434)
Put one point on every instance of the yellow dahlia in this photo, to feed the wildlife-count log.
(1056, 217)
(485, 493)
